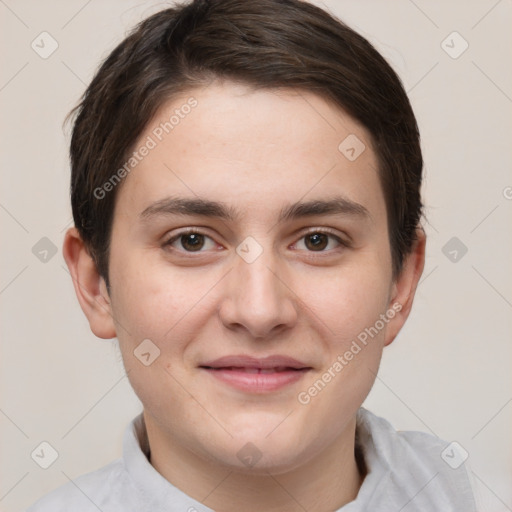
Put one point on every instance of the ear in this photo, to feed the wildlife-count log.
(90, 287)
(404, 286)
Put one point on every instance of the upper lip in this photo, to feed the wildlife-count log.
(243, 361)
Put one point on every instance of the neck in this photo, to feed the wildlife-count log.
(328, 481)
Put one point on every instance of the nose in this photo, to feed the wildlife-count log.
(257, 298)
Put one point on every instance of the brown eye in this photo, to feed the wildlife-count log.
(317, 241)
(189, 242)
(321, 241)
(192, 241)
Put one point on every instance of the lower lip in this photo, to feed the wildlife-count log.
(257, 382)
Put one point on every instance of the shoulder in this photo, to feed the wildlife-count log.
(103, 489)
(418, 464)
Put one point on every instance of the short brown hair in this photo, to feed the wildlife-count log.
(264, 44)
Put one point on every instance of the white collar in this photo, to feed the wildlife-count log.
(405, 472)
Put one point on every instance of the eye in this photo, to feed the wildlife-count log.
(320, 241)
(190, 241)
(193, 241)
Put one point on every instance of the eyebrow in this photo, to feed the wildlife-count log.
(213, 209)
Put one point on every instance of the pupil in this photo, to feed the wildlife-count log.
(192, 241)
(316, 241)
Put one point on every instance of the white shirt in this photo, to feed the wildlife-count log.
(405, 473)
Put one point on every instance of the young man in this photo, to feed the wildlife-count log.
(246, 195)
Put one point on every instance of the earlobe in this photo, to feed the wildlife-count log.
(90, 287)
(405, 285)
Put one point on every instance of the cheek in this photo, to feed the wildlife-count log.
(350, 306)
(167, 306)
(149, 301)
(153, 331)
(349, 300)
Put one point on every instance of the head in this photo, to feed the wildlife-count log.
(246, 182)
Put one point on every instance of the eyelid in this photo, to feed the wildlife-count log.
(342, 236)
(169, 239)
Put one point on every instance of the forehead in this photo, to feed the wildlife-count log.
(252, 148)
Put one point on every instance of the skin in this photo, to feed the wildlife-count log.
(257, 152)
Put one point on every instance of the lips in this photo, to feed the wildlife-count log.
(248, 362)
(256, 375)
(256, 370)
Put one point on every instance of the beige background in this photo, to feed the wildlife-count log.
(449, 372)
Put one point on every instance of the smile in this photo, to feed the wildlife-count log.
(257, 370)
(254, 375)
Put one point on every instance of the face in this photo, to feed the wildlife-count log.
(252, 251)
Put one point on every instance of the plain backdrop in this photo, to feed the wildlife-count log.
(448, 372)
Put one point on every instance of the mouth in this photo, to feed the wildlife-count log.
(256, 375)
(246, 369)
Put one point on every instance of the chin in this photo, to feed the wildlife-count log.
(260, 454)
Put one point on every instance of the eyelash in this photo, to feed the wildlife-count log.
(325, 231)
